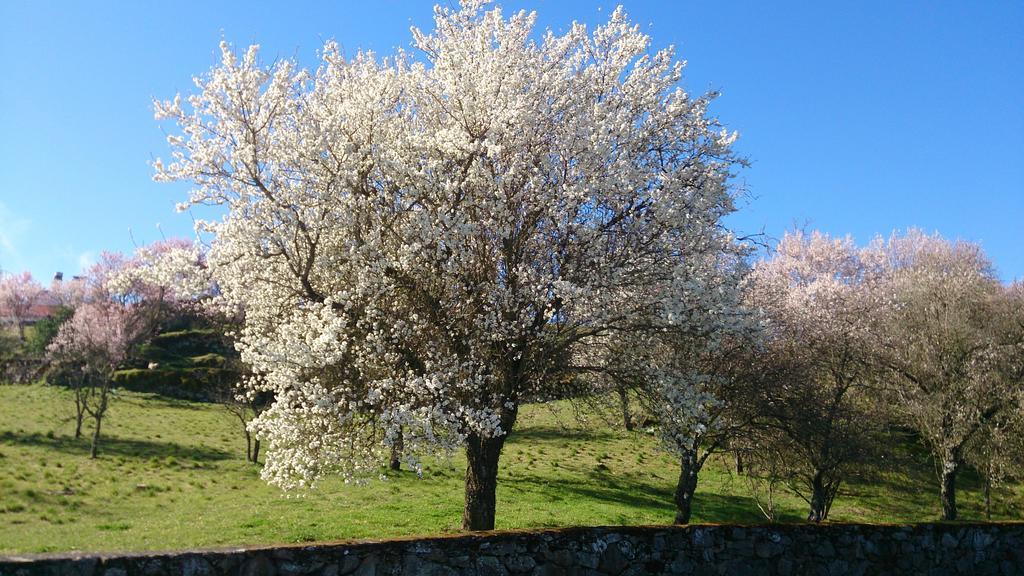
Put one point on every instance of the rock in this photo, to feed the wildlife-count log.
(520, 563)
(368, 567)
(348, 564)
(965, 565)
(613, 561)
(490, 566)
(560, 557)
(763, 549)
(826, 549)
(290, 568)
(838, 568)
(981, 540)
(258, 565)
(587, 560)
(549, 570)
(681, 566)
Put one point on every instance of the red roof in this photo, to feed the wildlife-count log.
(46, 305)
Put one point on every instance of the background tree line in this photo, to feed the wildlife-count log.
(843, 352)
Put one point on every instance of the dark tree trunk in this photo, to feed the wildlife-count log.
(481, 481)
(396, 452)
(627, 418)
(948, 492)
(819, 499)
(739, 462)
(256, 451)
(95, 437)
(79, 408)
(689, 467)
(988, 497)
(248, 446)
(79, 417)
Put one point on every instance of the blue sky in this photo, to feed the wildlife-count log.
(858, 117)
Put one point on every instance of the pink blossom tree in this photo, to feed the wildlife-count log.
(97, 340)
(818, 294)
(18, 294)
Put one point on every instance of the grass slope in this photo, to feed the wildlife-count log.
(172, 474)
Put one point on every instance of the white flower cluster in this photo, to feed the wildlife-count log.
(174, 267)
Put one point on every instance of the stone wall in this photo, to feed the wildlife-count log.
(831, 549)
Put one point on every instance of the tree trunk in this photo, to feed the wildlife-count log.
(481, 481)
(79, 407)
(948, 493)
(396, 452)
(739, 462)
(95, 437)
(256, 451)
(21, 331)
(819, 499)
(627, 419)
(988, 497)
(79, 417)
(687, 486)
(248, 446)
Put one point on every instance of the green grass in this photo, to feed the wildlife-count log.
(172, 474)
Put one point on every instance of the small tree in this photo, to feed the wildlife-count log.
(18, 294)
(694, 381)
(943, 347)
(700, 408)
(416, 242)
(245, 402)
(997, 452)
(96, 340)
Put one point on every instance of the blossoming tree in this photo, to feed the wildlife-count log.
(18, 293)
(421, 241)
(108, 323)
(819, 294)
(950, 344)
(693, 377)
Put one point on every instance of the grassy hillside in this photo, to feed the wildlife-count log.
(172, 474)
(191, 362)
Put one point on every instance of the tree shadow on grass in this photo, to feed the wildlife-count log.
(114, 446)
(154, 400)
(635, 493)
(558, 434)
